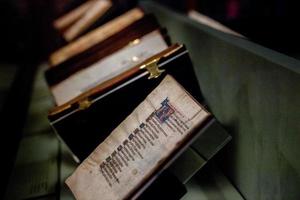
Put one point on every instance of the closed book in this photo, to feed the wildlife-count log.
(107, 59)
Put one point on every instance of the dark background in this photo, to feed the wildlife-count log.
(27, 38)
(26, 24)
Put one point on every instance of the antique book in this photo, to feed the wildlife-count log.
(65, 21)
(203, 19)
(93, 66)
(140, 147)
(95, 36)
(120, 39)
(79, 117)
(88, 16)
(92, 14)
(108, 67)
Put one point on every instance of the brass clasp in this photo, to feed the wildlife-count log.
(84, 104)
(153, 68)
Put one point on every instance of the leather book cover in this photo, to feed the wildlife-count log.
(78, 122)
(129, 48)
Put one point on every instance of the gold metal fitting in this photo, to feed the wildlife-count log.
(84, 104)
(153, 68)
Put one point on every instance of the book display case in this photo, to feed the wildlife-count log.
(249, 151)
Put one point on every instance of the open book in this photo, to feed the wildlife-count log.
(141, 146)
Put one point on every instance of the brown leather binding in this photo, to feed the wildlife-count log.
(107, 85)
(83, 60)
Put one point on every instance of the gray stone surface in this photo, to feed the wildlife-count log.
(254, 92)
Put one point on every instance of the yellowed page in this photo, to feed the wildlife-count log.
(98, 9)
(139, 145)
(73, 15)
(96, 36)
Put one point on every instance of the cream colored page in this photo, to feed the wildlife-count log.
(109, 67)
(92, 38)
(73, 15)
(91, 16)
(138, 145)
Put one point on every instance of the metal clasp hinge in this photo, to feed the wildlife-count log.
(84, 104)
(153, 68)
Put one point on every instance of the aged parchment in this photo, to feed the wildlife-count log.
(139, 145)
(95, 36)
(99, 8)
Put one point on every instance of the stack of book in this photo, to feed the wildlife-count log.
(127, 99)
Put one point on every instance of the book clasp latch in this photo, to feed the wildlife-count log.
(153, 68)
(84, 104)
